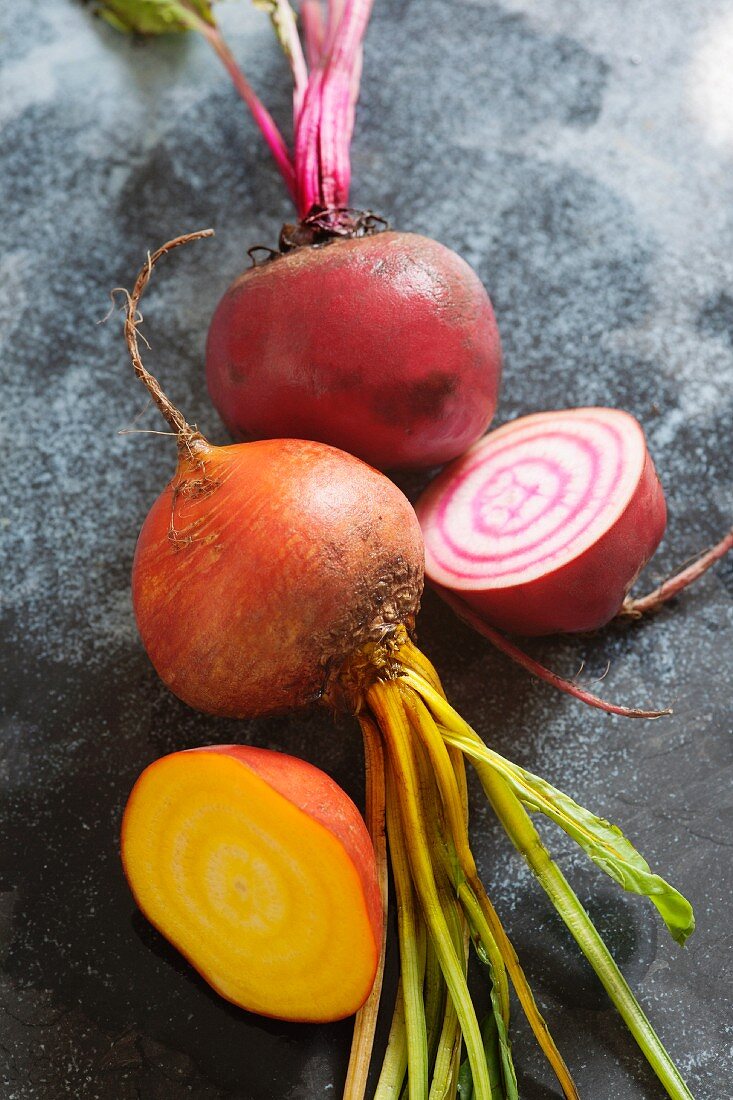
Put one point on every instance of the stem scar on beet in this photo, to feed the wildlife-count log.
(296, 604)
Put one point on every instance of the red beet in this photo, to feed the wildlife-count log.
(385, 346)
(544, 525)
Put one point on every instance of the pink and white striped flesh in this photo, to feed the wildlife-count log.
(544, 524)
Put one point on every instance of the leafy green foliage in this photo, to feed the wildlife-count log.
(496, 1042)
(609, 849)
(603, 842)
(153, 17)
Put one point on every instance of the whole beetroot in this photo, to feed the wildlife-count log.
(383, 345)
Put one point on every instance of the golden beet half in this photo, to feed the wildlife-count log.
(259, 869)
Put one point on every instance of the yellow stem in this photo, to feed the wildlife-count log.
(442, 1086)
(386, 699)
(365, 1024)
(435, 999)
(412, 952)
(394, 1066)
(426, 729)
(491, 923)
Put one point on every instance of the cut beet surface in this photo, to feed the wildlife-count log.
(260, 870)
(544, 524)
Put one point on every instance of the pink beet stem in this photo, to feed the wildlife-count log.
(263, 118)
(307, 163)
(314, 31)
(354, 94)
(534, 667)
(325, 123)
(337, 102)
(634, 608)
(323, 102)
(335, 13)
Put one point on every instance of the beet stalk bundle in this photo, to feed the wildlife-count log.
(273, 574)
(381, 343)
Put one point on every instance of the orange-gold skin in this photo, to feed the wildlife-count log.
(260, 870)
(263, 566)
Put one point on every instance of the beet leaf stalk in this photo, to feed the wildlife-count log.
(326, 77)
(156, 17)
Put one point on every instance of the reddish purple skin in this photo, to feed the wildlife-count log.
(384, 346)
(587, 592)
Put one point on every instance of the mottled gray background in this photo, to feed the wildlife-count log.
(580, 155)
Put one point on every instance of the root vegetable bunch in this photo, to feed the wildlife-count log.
(273, 574)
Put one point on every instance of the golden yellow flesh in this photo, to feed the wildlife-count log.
(263, 900)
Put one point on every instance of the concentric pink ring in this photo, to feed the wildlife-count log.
(603, 447)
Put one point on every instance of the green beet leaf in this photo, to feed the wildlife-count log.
(497, 1045)
(603, 842)
(609, 849)
(152, 17)
(283, 22)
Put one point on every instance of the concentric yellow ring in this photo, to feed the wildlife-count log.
(263, 900)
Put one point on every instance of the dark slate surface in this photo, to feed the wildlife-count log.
(579, 155)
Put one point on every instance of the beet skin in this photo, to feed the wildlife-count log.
(263, 566)
(385, 346)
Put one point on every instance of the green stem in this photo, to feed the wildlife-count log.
(448, 1034)
(394, 1065)
(434, 999)
(412, 952)
(502, 957)
(526, 840)
(442, 1086)
(426, 730)
(480, 929)
(449, 1046)
(478, 903)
